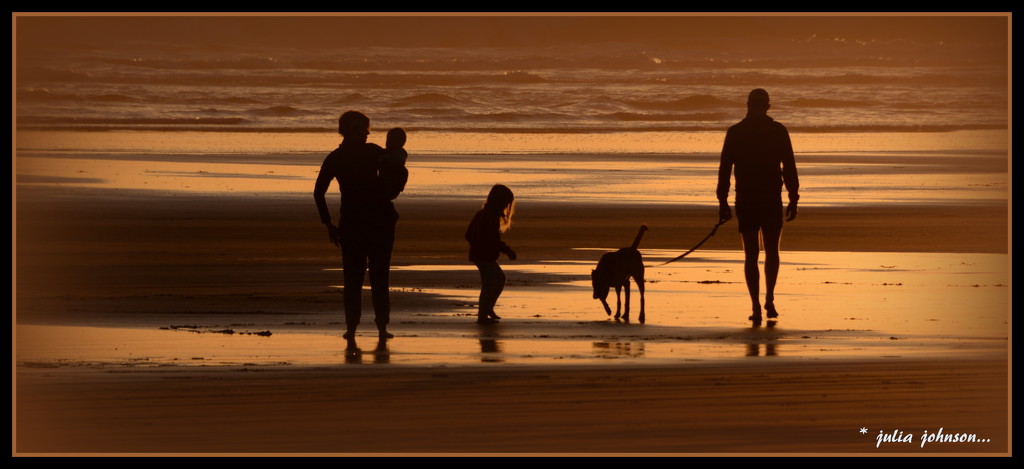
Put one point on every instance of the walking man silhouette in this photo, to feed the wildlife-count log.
(760, 151)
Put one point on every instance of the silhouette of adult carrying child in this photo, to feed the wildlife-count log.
(366, 229)
(761, 152)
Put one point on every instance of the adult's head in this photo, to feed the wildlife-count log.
(354, 125)
(758, 102)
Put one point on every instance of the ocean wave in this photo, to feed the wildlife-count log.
(404, 79)
(173, 128)
(510, 127)
(914, 76)
(558, 74)
(45, 74)
(649, 117)
(519, 117)
(520, 76)
(701, 101)
(280, 111)
(233, 100)
(415, 113)
(428, 98)
(597, 103)
(824, 102)
(351, 98)
(172, 98)
(121, 123)
(44, 94)
(112, 98)
(578, 90)
(892, 128)
(217, 63)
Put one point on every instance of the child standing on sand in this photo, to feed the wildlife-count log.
(485, 246)
(393, 174)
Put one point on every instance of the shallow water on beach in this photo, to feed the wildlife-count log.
(138, 348)
(435, 143)
(832, 306)
(826, 179)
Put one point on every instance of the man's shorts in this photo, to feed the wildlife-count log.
(756, 213)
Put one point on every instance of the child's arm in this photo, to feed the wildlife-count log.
(508, 251)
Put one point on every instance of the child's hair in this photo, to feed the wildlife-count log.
(502, 201)
(396, 138)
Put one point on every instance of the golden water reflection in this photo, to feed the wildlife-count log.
(448, 143)
(928, 294)
(827, 179)
(141, 348)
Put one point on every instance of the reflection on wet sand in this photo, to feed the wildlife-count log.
(754, 350)
(381, 354)
(490, 350)
(519, 342)
(760, 337)
(842, 305)
(354, 355)
(619, 349)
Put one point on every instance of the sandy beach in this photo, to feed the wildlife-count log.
(724, 408)
(202, 321)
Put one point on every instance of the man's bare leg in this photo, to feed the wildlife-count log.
(771, 269)
(751, 250)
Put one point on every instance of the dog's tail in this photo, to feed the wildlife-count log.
(639, 236)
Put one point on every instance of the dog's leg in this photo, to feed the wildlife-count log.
(618, 300)
(625, 285)
(640, 286)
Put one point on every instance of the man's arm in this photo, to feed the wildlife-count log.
(789, 177)
(724, 176)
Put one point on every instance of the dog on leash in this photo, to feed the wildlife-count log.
(614, 270)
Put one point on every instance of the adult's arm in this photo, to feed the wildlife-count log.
(724, 176)
(323, 182)
(789, 174)
(790, 177)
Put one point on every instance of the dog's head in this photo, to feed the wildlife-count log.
(600, 285)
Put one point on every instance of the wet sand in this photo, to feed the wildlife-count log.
(723, 408)
(895, 318)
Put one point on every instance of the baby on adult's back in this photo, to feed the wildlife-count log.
(392, 172)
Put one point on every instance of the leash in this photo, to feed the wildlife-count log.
(713, 230)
